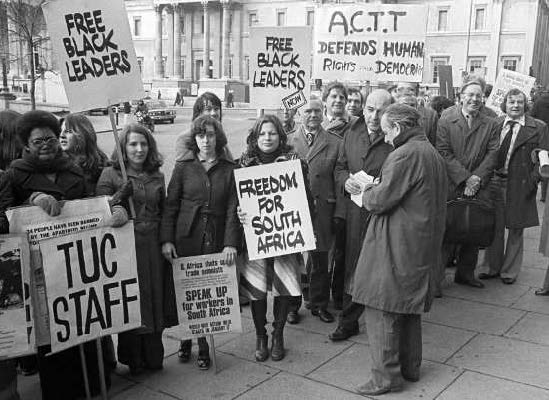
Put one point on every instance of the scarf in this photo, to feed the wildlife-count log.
(30, 163)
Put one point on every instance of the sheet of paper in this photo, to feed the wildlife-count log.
(363, 179)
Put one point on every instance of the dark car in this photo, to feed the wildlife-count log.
(159, 111)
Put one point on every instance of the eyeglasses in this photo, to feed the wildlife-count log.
(43, 141)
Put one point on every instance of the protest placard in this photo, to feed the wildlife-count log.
(206, 291)
(76, 215)
(94, 49)
(275, 202)
(280, 64)
(369, 42)
(506, 80)
(14, 297)
(92, 285)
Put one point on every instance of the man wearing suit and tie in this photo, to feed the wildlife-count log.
(515, 186)
(319, 149)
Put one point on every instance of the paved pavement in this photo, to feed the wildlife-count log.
(490, 344)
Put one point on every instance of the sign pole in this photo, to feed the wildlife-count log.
(101, 369)
(214, 356)
(120, 157)
(84, 371)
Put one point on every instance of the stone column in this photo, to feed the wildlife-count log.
(178, 10)
(189, 62)
(206, 56)
(237, 42)
(226, 4)
(169, 29)
(158, 68)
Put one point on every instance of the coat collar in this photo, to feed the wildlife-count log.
(190, 156)
(319, 143)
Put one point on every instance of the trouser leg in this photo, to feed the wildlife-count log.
(410, 350)
(153, 350)
(513, 254)
(259, 315)
(349, 316)
(383, 338)
(544, 189)
(494, 254)
(281, 307)
(468, 258)
(338, 274)
(319, 280)
(546, 280)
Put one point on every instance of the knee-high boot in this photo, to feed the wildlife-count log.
(280, 310)
(259, 315)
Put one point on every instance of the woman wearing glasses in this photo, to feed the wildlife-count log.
(43, 177)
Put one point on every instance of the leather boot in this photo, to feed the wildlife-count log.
(262, 348)
(277, 348)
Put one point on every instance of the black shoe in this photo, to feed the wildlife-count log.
(184, 352)
(469, 282)
(323, 314)
(508, 281)
(342, 334)
(293, 317)
(262, 348)
(488, 275)
(542, 292)
(203, 361)
(277, 347)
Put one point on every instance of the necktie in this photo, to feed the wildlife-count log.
(506, 145)
(310, 138)
(469, 121)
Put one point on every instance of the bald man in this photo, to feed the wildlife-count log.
(365, 150)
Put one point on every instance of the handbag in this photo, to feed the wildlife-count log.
(470, 221)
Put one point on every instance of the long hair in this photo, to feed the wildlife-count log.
(253, 134)
(202, 102)
(84, 151)
(10, 146)
(154, 158)
(198, 126)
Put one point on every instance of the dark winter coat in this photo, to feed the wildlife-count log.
(523, 176)
(408, 217)
(467, 151)
(429, 121)
(540, 110)
(357, 153)
(321, 158)
(200, 214)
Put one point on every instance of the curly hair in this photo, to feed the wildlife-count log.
(202, 102)
(337, 86)
(85, 152)
(36, 119)
(514, 92)
(10, 148)
(154, 159)
(198, 126)
(253, 135)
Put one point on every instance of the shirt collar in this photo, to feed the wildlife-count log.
(521, 121)
(465, 115)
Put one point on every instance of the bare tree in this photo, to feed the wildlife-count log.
(27, 25)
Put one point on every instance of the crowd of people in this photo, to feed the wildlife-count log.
(383, 256)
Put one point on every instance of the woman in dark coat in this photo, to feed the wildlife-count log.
(43, 177)
(200, 214)
(267, 143)
(142, 348)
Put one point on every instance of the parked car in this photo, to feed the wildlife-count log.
(159, 111)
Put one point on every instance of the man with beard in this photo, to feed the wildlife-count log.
(365, 150)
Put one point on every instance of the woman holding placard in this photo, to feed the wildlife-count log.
(200, 213)
(142, 348)
(267, 143)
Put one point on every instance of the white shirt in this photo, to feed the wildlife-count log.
(520, 122)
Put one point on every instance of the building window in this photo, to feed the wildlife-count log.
(247, 68)
(310, 17)
(252, 18)
(480, 13)
(202, 24)
(231, 22)
(137, 26)
(164, 27)
(181, 26)
(442, 24)
(435, 62)
(140, 64)
(230, 67)
(280, 18)
(476, 64)
(510, 63)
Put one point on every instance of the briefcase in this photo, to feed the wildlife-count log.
(470, 221)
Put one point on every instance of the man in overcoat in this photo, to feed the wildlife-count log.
(515, 185)
(363, 149)
(468, 141)
(392, 279)
(320, 150)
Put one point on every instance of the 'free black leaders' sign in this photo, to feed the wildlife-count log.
(92, 41)
(274, 200)
(280, 64)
